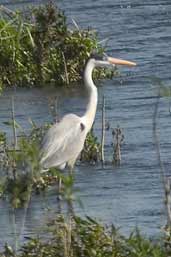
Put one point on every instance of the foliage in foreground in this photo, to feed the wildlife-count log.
(37, 48)
(77, 237)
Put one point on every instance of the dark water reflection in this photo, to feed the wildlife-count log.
(131, 194)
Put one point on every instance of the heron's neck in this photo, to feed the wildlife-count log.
(92, 90)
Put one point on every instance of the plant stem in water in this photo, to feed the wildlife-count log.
(103, 132)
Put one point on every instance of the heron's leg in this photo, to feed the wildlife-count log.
(59, 195)
(70, 202)
(71, 166)
(61, 167)
(59, 190)
(59, 184)
(71, 170)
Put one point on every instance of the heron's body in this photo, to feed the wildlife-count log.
(69, 136)
(65, 139)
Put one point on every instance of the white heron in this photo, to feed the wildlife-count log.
(65, 139)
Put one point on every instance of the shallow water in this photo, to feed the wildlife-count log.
(130, 195)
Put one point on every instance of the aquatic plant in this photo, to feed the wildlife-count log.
(87, 237)
(37, 48)
(118, 138)
(91, 150)
(19, 169)
(14, 60)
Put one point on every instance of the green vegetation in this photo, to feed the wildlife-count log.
(91, 151)
(75, 237)
(118, 138)
(37, 48)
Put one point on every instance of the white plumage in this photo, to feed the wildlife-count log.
(63, 142)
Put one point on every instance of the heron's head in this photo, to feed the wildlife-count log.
(104, 60)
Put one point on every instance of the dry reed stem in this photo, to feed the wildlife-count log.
(165, 180)
(103, 132)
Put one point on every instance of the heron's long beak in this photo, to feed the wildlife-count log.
(120, 62)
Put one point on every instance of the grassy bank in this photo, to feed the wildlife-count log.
(38, 48)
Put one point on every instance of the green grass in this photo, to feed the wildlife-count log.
(37, 48)
(86, 237)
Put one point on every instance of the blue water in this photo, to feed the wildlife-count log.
(132, 194)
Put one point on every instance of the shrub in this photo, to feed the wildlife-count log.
(37, 48)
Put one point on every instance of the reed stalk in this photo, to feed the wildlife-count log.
(65, 67)
(168, 202)
(13, 123)
(103, 132)
(14, 231)
(165, 180)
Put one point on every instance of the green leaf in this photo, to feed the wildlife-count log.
(30, 36)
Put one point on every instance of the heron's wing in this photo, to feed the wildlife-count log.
(63, 141)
